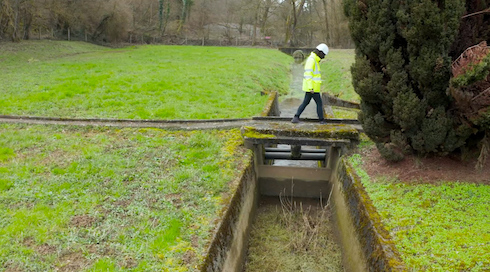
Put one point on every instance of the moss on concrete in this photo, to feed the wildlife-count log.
(271, 107)
(307, 130)
(250, 132)
(376, 242)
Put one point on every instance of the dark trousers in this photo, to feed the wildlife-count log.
(319, 105)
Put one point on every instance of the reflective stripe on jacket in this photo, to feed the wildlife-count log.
(312, 76)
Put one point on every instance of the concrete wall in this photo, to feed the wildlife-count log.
(229, 244)
(290, 50)
(367, 245)
(272, 106)
(359, 221)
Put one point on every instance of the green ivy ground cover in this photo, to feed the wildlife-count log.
(74, 79)
(104, 199)
(435, 227)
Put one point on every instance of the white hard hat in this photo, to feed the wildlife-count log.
(323, 47)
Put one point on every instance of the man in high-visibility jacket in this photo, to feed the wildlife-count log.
(312, 82)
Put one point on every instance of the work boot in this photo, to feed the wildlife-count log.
(323, 122)
(295, 120)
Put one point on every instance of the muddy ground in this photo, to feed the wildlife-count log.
(431, 169)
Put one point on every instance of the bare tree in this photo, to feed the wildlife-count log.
(291, 22)
(185, 14)
(325, 19)
(15, 21)
(296, 10)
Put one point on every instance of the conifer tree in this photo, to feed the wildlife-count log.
(402, 72)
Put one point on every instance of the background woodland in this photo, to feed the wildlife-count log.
(198, 22)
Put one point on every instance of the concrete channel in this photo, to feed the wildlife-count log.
(303, 162)
(366, 245)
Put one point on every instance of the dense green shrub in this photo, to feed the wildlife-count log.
(402, 72)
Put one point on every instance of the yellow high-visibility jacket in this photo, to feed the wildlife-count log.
(312, 77)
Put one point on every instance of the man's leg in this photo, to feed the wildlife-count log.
(305, 103)
(319, 106)
(302, 107)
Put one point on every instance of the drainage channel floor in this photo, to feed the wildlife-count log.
(293, 235)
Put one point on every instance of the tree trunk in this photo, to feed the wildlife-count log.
(296, 12)
(325, 14)
(265, 15)
(27, 25)
(256, 22)
(3, 11)
(160, 15)
(183, 15)
(15, 23)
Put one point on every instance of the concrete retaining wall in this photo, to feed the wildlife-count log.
(272, 106)
(367, 245)
(290, 50)
(229, 243)
(375, 242)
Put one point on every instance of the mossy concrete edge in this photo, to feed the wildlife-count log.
(272, 105)
(226, 251)
(376, 242)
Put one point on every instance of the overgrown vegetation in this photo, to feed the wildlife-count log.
(103, 199)
(436, 227)
(345, 113)
(291, 238)
(71, 79)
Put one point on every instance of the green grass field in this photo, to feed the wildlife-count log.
(99, 199)
(440, 227)
(74, 79)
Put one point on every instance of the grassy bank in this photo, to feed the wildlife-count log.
(338, 80)
(99, 199)
(436, 227)
(336, 74)
(74, 79)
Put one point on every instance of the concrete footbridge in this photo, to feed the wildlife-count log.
(277, 139)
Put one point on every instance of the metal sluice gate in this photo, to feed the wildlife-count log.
(295, 152)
